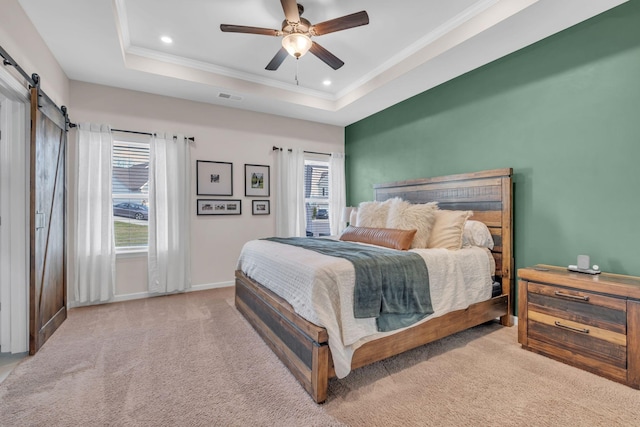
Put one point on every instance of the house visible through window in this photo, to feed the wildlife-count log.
(130, 194)
(316, 196)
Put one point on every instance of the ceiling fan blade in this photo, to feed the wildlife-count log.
(290, 8)
(348, 21)
(277, 60)
(248, 30)
(325, 56)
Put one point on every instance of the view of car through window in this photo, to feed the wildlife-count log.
(131, 210)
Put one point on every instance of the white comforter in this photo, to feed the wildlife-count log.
(320, 288)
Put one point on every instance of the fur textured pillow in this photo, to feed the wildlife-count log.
(406, 216)
(373, 214)
(394, 239)
(447, 229)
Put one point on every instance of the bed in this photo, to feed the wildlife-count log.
(303, 346)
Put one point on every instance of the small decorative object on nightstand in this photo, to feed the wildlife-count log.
(591, 322)
(583, 266)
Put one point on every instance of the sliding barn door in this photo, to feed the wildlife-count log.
(48, 298)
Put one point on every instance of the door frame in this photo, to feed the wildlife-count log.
(14, 212)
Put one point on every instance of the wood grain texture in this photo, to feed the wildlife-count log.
(591, 331)
(606, 283)
(289, 334)
(488, 193)
(523, 334)
(449, 178)
(579, 306)
(566, 294)
(314, 332)
(48, 282)
(300, 369)
(584, 344)
(590, 322)
(320, 373)
(578, 360)
(429, 331)
(298, 343)
(633, 344)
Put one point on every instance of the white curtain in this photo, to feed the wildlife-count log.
(290, 214)
(94, 278)
(169, 214)
(337, 193)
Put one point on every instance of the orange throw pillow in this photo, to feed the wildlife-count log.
(387, 237)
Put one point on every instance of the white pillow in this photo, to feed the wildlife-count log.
(353, 217)
(476, 233)
(406, 216)
(373, 214)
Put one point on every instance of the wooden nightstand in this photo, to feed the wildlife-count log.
(591, 322)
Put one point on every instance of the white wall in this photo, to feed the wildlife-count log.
(22, 41)
(222, 134)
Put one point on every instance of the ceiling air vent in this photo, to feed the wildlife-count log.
(229, 96)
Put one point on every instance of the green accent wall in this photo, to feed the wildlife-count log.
(564, 113)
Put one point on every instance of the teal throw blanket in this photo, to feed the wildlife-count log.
(391, 285)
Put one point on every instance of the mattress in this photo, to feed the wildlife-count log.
(320, 288)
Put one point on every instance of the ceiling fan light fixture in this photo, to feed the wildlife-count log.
(297, 44)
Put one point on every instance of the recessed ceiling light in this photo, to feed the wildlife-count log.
(166, 39)
(327, 82)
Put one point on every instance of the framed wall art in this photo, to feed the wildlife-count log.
(214, 178)
(260, 207)
(256, 180)
(219, 207)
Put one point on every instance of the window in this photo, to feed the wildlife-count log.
(316, 196)
(130, 197)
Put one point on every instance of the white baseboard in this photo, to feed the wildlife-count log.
(140, 295)
(211, 286)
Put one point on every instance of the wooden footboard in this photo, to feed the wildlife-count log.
(300, 345)
(303, 346)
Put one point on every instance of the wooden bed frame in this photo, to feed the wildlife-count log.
(303, 346)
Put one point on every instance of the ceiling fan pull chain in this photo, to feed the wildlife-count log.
(297, 82)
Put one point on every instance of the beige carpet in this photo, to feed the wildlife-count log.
(192, 360)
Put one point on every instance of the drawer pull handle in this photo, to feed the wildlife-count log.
(578, 297)
(571, 328)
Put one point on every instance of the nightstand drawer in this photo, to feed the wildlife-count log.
(597, 344)
(579, 307)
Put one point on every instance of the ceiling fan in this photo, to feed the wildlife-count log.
(296, 34)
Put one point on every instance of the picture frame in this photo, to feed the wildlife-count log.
(219, 207)
(256, 180)
(214, 178)
(260, 207)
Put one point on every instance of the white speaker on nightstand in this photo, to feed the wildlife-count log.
(583, 262)
(583, 266)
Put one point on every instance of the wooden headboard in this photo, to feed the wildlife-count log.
(487, 193)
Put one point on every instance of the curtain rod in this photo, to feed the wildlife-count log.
(190, 138)
(307, 152)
